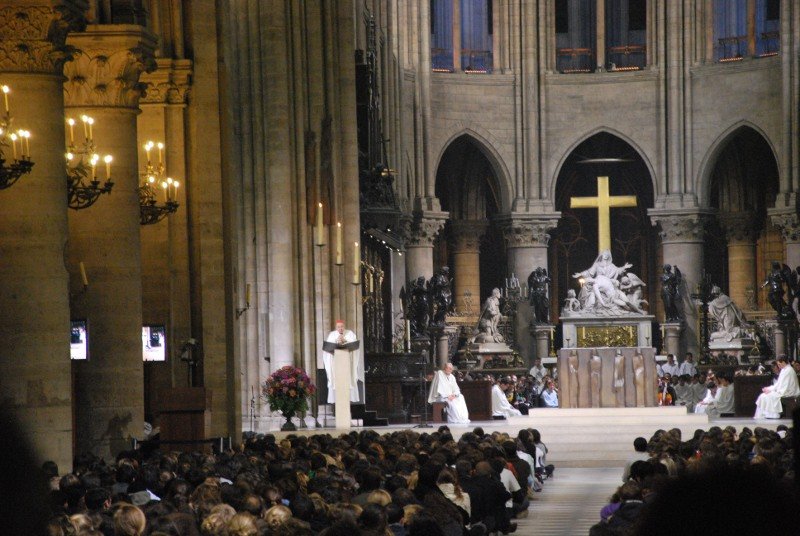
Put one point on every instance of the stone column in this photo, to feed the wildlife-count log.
(526, 249)
(465, 236)
(739, 230)
(682, 246)
(789, 225)
(419, 232)
(34, 284)
(103, 81)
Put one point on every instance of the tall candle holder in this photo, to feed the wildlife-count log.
(21, 163)
(83, 186)
(154, 177)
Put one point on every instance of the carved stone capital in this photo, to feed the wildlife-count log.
(106, 66)
(169, 83)
(32, 38)
(420, 230)
(680, 226)
(738, 226)
(528, 233)
(465, 235)
(788, 224)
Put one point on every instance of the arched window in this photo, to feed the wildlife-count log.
(476, 35)
(462, 35)
(746, 28)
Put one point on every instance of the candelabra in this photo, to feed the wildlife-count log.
(83, 186)
(21, 163)
(154, 176)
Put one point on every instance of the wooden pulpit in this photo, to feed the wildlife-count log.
(342, 370)
(185, 415)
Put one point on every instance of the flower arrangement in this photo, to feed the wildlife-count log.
(287, 390)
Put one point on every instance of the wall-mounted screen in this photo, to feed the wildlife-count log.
(78, 340)
(154, 343)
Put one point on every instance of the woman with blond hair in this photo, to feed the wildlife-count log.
(129, 520)
(276, 516)
(242, 524)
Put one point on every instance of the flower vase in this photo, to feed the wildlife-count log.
(288, 426)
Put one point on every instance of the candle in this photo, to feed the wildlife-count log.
(71, 123)
(320, 225)
(160, 149)
(93, 162)
(408, 335)
(6, 91)
(91, 122)
(247, 295)
(164, 187)
(169, 188)
(85, 119)
(84, 278)
(147, 147)
(108, 158)
(339, 259)
(14, 145)
(356, 264)
(28, 143)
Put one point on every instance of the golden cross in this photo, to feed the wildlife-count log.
(603, 203)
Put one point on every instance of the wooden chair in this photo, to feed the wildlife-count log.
(438, 411)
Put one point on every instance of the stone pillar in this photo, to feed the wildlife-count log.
(542, 334)
(671, 335)
(34, 284)
(526, 249)
(682, 246)
(465, 237)
(420, 231)
(103, 81)
(789, 225)
(739, 230)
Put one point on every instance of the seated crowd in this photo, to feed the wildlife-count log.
(359, 483)
(721, 482)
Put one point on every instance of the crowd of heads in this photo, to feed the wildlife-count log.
(359, 483)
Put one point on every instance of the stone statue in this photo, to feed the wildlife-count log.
(489, 319)
(727, 315)
(596, 367)
(441, 296)
(538, 283)
(415, 305)
(775, 281)
(609, 290)
(571, 303)
(670, 293)
(631, 287)
(638, 379)
(574, 382)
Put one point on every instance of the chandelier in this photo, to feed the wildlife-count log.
(83, 186)
(154, 179)
(21, 163)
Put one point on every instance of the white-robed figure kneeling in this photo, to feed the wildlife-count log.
(341, 336)
(444, 388)
(768, 404)
(501, 407)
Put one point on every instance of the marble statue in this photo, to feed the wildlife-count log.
(670, 293)
(596, 367)
(571, 303)
(538, 283)
(727, 315)
(607, 290)
(489, 320)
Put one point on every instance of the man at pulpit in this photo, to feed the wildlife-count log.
(444, 388)
(340, 337)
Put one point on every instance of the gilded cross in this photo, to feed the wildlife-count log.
(603, 203)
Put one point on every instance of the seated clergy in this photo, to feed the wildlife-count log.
(501, 407)
(768, 404)
(444, 388)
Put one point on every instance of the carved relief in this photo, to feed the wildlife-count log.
(739, 226)
(32, 38)
(169, 83)
(680, 227)
(466, 235)
(788, 224)
(528, 234)
(420, 231)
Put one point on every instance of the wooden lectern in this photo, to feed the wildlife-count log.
(185, 415)
(342, 370)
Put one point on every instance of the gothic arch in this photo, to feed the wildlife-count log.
(553, 181)
(487, 144)
(711, 158)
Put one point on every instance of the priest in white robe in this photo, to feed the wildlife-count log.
(444, 388)
(501, 407)
(768, 404)
(341, 336)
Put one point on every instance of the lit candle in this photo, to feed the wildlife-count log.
(6, 91)
(14, 144)
(247, 295)
(164, 187)
(71, 123)
(93, 161)
(85, 119)
(84, 278)
(169, 188)
(339, 243)
(320, 225)
(356, 264)
(160, 149)
(91, 122)
(175, 185)
(147, 147)
(108, 158)
(28, 142)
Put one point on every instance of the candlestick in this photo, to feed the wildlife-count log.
(408, 335)
(160, 149)
(85, 120)
(164, 186)
(356, 264)
(6, 90)
(84, 278)
(147, 147)
(339, 243)
(108, 158)
(14, 145)
(93, 162)
(71, 123)
(91, 122)
(320, 225)
(247, 295)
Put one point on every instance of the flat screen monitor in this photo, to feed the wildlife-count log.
(78, 340)
(154, 343)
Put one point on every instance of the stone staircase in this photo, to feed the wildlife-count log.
(368, 417)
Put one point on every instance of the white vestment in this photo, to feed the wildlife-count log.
(685, 396)
(768, 405)
(708, 405)
(442, 387)
(327, 360)
(671, 369)
(687, 368)
(501, 407)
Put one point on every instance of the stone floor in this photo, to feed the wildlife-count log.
(570, 502)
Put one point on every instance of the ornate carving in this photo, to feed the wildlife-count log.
(169, 83)
(418, 230)
(106, 67)
(466, 235)
(739, 226)
(32, 37)
(612, 336)
(788, 224)
(527, 234)
(680, 227)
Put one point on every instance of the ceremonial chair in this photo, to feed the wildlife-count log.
(438, 411)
